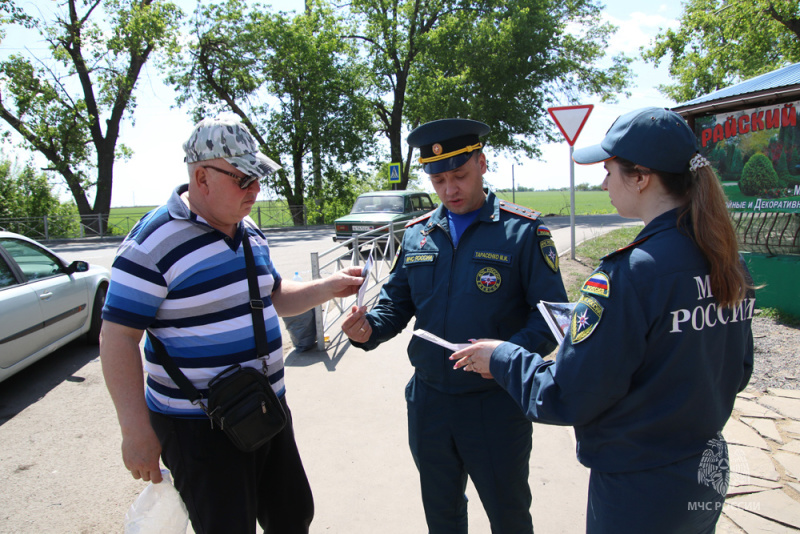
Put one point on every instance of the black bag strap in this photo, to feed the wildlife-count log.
(256, 304)
(259, 330)
(174, 371)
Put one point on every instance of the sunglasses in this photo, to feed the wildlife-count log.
(243, 181)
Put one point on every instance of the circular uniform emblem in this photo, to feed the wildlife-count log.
(437, 148)
(488, 280)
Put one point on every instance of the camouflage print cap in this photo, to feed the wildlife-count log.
(228, 138)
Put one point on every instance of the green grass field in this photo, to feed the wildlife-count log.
(557, 202)
(121, 220)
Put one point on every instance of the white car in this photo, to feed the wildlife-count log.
(44, 302)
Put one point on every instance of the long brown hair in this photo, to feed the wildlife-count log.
(711, 226)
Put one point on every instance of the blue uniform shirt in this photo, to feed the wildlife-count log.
(651, 367)
(487, 287)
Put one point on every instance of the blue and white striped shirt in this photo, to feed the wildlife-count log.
(186, 283)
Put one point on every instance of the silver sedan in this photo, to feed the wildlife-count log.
(45, 302)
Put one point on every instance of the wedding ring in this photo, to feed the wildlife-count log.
(363, 330)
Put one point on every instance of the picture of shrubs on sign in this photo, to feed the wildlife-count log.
(756, 153)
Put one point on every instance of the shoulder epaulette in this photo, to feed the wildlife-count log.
(522, 211)
(419, 219)
(626, 247)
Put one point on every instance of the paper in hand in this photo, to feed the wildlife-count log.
(424, 334)
(362, 290)
(557, 315)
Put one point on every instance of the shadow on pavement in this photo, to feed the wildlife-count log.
(32, 383)
(337, 347)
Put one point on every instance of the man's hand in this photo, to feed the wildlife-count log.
(356, 326)
(293, 298)
(140, 454)
(346, 282)
(122, 368)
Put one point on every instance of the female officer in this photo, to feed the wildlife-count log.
(659, 343)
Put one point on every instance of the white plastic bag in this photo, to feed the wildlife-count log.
(159, 509)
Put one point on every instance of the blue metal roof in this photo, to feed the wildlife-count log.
(787, 76)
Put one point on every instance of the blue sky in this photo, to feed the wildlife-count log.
(156, 137)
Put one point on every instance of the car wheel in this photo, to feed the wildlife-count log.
(93, 335)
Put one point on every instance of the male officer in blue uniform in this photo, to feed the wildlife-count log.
(473, 268)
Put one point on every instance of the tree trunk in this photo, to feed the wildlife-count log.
(316, 156)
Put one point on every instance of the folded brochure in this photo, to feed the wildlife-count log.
(424, 334)
(557, 315)
(362, 290)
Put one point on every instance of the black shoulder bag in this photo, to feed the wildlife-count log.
(240, 399)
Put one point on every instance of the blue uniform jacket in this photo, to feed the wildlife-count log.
(486, 288)
(651, 367)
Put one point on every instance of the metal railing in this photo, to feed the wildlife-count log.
(59, 226)
(770, 233)
(354, 251)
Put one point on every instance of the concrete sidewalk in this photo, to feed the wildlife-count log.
(350, 419)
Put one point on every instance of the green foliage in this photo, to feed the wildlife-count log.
(499, 61)
(68, 103)
(587, 187)
(737, 162)
(519, 189)
(758, 176)
(720, 42)
(782, 169)
(26, 195)
(338, 194)
(293, 80)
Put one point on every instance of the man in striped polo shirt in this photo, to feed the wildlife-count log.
(180, 276)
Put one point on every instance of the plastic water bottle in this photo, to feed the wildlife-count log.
(159, 509)
(297, 277)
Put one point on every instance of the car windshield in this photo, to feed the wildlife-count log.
(378, 204)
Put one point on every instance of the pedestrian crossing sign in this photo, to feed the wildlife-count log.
(394, 173)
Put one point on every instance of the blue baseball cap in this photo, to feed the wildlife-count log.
(447, 144)
(656, 138)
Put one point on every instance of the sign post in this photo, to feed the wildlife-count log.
(570, 120)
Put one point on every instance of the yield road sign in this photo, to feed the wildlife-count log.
(570, 120)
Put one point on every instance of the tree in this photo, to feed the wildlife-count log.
(69, 107)
(29, 196)
(758, 176)
(721, 42)
(499, 61)
(294, 83)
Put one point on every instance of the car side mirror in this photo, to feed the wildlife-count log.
(77, 267)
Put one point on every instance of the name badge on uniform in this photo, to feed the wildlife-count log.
(416, 258)
(585, 318)
(487, 255)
